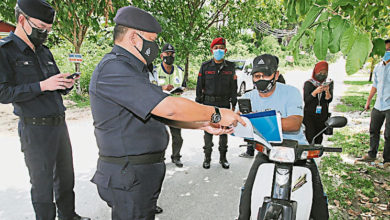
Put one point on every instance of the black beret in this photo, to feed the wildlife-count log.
(136, 18)
(168, 48)
(38, 9)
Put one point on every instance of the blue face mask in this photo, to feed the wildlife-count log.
(387, 56)
(219, 54)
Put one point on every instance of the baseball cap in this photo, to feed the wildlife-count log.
(266, 63)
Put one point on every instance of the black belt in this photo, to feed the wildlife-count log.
(137, 159)
(216, 98)
(49, 121)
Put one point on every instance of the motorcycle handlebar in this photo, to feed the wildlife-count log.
(333, 149)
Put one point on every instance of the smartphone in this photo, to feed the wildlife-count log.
(245, 106)
(327, 83)
(74, 75)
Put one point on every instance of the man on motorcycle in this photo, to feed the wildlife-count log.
(287, 100)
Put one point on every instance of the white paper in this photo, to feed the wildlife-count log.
(249, 132)
(244, 132)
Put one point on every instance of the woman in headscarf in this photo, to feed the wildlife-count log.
(317, 95)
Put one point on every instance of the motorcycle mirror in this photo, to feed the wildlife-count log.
(336, 122)
(332, 122)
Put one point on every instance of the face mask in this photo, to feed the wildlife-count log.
(168, 60)
(149, 50)
(218, 54)
(387, 56)
(265, 86)
(37, 36)
(321, 77)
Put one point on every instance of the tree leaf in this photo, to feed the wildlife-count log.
(347, 40)
(359, 52)
(343, 3)
(335, 21)
(322, 2)
(335, 35)
(321, 42)
(379, 47)
(311, 16)
(291, 11)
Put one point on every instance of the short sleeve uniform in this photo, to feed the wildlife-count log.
(122, 99)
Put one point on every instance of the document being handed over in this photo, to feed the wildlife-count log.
(250, 133)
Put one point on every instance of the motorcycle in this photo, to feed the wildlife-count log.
(283, 188)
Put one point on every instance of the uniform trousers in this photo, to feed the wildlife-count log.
(377, 119)
(177, 142)
(48, 156)
(130, 190)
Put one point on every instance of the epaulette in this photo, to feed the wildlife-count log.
(5, 41)
(207, 62)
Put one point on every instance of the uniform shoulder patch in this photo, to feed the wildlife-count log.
(5, 41)
(229, 62)
(206, 62)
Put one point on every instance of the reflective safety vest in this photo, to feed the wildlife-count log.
(175, 78)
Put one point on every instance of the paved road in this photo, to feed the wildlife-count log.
(188, 193)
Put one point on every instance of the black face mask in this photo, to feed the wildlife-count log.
(168, 60)
(37, 36)
(265, 86)
(149, 50)
(321, 77)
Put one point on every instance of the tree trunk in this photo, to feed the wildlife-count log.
(186, 68)
(372, 68)
(77, 69)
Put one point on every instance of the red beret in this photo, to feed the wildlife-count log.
(219, 41)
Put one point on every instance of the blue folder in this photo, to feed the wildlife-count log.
(268, 124)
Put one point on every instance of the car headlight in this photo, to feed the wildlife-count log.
(282, 154)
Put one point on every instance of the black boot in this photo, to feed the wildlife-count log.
(207, 160)
(223, 161)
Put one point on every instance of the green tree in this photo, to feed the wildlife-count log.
(74, 18)
(190, 25)
(354, 27)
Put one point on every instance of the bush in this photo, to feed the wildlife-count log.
(92, 54)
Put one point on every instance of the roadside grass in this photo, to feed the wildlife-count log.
(353, 144)
(355, 190)
(80, 101)
(355, 97)
(357, 83)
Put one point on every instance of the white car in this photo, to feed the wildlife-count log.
(244, 77)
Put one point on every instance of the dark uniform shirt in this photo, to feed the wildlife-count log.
(122, 98)
(217, 81)
(21, 70)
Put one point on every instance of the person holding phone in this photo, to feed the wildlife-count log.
(317, 94)
(32, 82)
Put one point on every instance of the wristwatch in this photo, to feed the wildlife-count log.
(216, 116)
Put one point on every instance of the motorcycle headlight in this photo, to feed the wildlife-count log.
(282, 154)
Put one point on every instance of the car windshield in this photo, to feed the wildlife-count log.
(239, 65)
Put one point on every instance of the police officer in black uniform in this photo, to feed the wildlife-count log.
(128, 111)
(32, 82)
(217, 86)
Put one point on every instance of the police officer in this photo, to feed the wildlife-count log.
(32, 82)
(128, 112)
(171, 76)
(217, 86)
